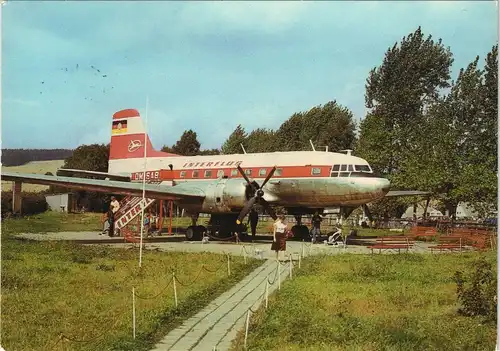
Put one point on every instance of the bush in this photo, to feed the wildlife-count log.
(32, 203)
(477, 292)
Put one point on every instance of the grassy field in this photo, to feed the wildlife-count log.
(85, 292)
(379, 302)
(37, 167)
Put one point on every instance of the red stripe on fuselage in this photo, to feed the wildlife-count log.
(287, 172)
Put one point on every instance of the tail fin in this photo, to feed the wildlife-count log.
(127, 137)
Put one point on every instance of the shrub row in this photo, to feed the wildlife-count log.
(32, 203)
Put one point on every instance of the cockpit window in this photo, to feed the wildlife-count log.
(335, 168)
(350, 168)
(363, 168)
(343, 168)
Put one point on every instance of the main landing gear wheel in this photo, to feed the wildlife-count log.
(194, 232)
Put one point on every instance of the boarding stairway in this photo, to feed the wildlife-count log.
(131, 207)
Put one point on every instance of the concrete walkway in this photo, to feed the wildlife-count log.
(178, 243)
(218, 323)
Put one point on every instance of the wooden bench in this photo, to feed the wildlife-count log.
(480, 239)
(449, 242)
(393, 243)
(422, 232)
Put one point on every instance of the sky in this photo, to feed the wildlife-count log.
(206, 66)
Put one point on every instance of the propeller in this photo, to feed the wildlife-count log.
(258, 194)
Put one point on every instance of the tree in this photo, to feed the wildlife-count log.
(92, 157)
(398, 93)
(260, 140)
(374, 143)
(187, 145)
(233, 144)
(475, 104)
(210, 152)
(168, 149)
(288, 135)
(329, 125)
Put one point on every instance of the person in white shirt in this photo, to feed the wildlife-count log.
(114, 206)
(279, 235)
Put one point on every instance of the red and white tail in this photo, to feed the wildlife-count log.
(128, 137)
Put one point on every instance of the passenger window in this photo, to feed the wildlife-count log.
(196, 174)
(248, 172)
(208, 174)
(335, 168)
(220, 173)
(350, 168)
(262, 172)
(183, 174)
(343, 168)
(234, 172)
(316, 171)
(279, 172)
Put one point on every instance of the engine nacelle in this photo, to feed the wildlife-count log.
(225, 195)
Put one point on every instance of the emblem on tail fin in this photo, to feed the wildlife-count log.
(134, 145)
(119, 127)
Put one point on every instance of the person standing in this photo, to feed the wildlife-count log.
(279, 235)
(316, 225)
(253, 219)
(114, 206)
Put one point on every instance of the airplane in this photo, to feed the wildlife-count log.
(225, 186)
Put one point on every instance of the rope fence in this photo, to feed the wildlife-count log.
(272, 278)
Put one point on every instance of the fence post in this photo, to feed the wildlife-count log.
(279, 276)
(246, 328)
(291, 266)
(244, 254)
(175, 289)
(267, 293)
(133, 310)
(228, 266)
(299, 261)
(302, 247)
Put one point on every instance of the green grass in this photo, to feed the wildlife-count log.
(53, 222)
(371, 302)
(85, 292)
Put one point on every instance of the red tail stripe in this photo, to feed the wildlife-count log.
(120, 147)
(127, 113)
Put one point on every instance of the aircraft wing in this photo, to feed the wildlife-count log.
(75, 172)
(407, 193)
(157, 191)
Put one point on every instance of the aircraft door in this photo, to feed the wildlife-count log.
(219, 194)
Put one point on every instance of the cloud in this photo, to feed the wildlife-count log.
(269, 16)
